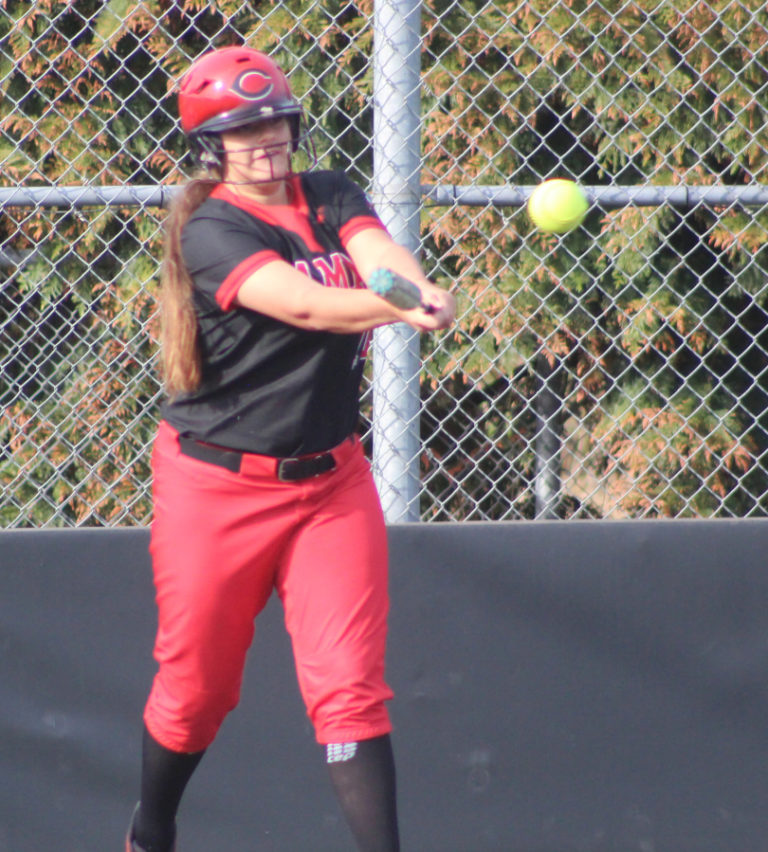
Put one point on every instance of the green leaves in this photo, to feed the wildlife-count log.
(651, 317)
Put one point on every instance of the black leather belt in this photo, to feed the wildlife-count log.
(285, 469)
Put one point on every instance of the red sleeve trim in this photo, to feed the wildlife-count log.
(227, 292)
(357, 224)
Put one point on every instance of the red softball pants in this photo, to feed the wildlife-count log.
(221, 542)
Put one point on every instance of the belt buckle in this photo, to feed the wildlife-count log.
(293, 469)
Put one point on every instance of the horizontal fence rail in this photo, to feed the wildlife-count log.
(604, 197)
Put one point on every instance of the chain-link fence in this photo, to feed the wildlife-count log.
(620, 370)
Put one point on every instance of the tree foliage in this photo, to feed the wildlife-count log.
(657, 315)
(650, 322)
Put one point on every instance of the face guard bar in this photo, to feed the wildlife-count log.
(208, 150)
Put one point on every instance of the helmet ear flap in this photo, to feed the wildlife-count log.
(296, 132)
(208, 151)
(208, 159)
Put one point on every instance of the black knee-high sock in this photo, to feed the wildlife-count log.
(363, 776)
(164, 776)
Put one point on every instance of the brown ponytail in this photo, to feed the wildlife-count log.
(179, 331)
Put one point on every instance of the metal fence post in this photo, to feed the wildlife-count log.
(397, 196)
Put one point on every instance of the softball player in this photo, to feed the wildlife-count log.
(260, 482)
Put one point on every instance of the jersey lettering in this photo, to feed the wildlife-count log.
(336, 270)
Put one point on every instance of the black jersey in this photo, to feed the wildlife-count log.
(267, 386)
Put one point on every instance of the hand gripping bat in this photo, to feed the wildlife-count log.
(398, 291)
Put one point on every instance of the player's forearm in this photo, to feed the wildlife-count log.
(350, 311)
(280, 291)
(342, 311)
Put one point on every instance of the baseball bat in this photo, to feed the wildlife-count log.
(398, 291)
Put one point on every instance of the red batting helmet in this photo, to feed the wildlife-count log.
(232, 87)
